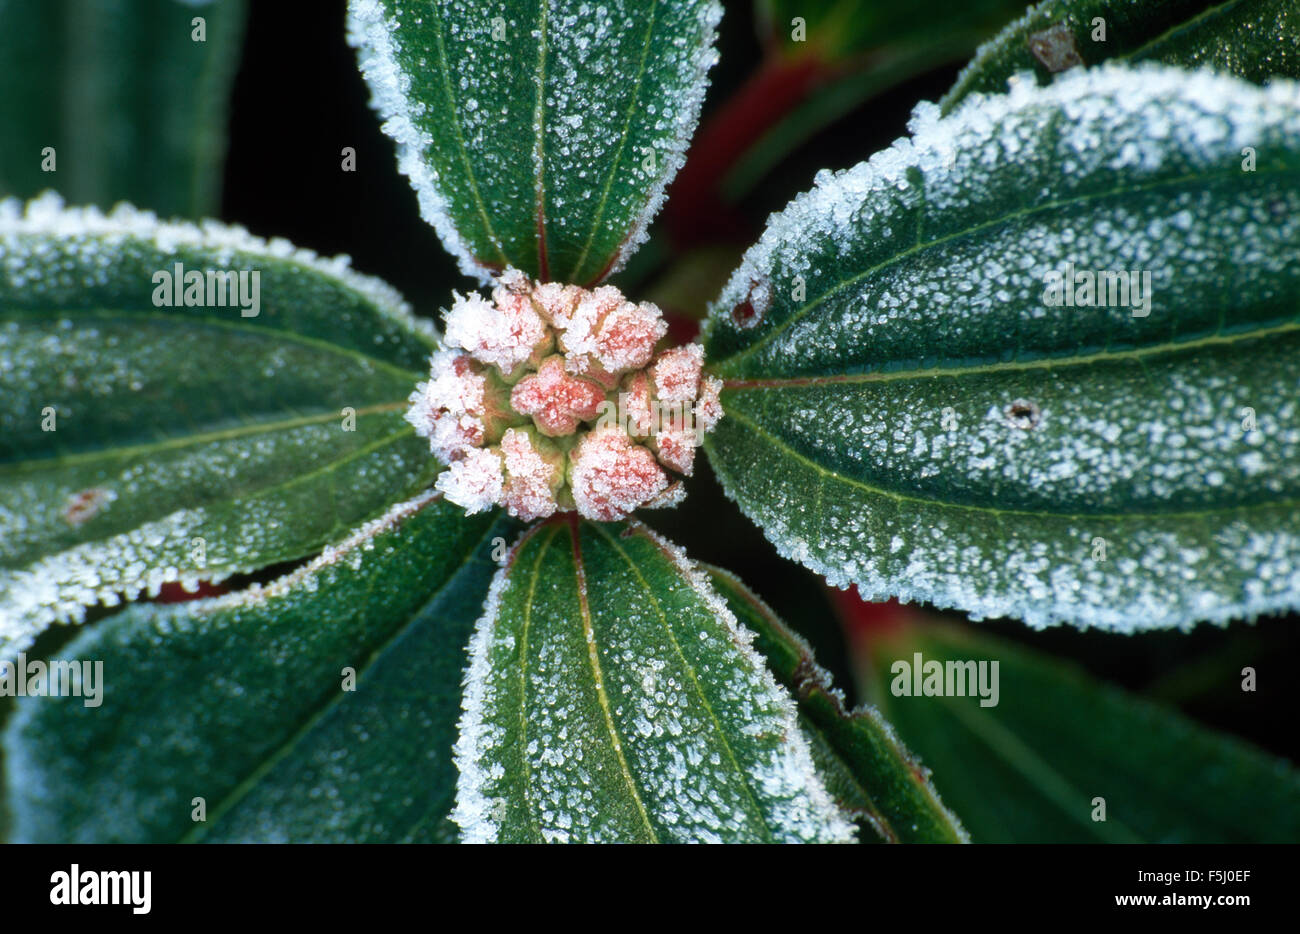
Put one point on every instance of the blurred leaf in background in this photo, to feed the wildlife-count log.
(118, 100)
(1030, 767)
(821, 59)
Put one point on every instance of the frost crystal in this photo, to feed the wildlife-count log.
(613, 92)
(924, 270)
(54, 562)
(557, 400)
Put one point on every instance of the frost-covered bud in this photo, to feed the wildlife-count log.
(556, 302)
(475, 481)
(677, 373)
(636, 405)
(560, 399)
(461, 406)
(708, 408)
(556, 399)
(610, 475)
(534, 473)
(506, 333)
(607, 336)
(675, 446)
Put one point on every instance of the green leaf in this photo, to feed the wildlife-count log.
(612, 696)
(538, 135)
(1029, 768)
(1252, 39)
(931, 428)
(133, 107)
(141, 444)
(240, 700)
(871, 774)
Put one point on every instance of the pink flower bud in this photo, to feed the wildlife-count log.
(474, 481)
(708, 409)
(505, 334)
(532, 475)
(677, 373)
(610, 476)
(556, 400)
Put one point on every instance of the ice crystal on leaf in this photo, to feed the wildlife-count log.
(564, 178)
(968, 445)
(557, 400)
(118, 527)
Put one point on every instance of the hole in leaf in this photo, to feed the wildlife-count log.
(749, 312)
(1023, 414)
(83, 506)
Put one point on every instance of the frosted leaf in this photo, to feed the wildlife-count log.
(543, 138)
(237, 698)
(145, 441)
(931, 426)
(1256, 41)
(620, 700)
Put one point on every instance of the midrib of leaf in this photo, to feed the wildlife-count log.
(460, 139)
(843, 284)
(687, 666)
(227, 434)
(1216, 339)
(593, 657)
(992, 511)
(287, 336)
(331, 698)
(622, 144)
(539, 150)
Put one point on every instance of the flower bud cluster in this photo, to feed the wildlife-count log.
(552, 397)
